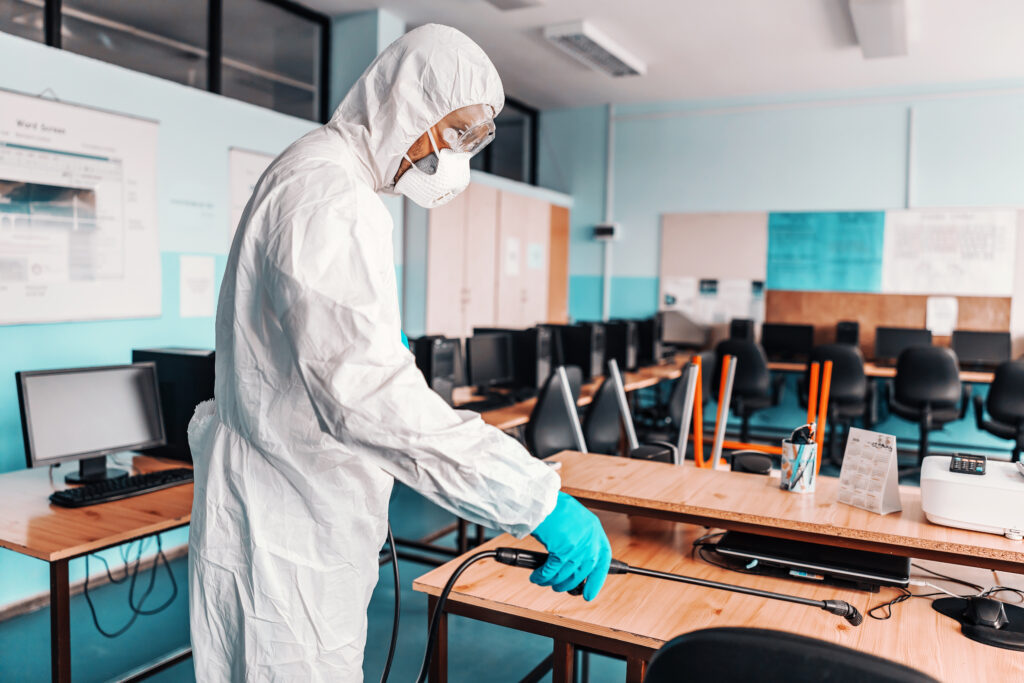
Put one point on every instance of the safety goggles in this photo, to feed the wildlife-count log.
(469, 129)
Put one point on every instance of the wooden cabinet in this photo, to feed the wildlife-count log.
(488, 262)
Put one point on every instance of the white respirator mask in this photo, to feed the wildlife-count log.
(450, 177)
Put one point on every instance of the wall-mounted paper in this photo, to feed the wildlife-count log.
(956, 251)
(244, 170)
(196, 286)
(942, 312)
(512, 256)
(535, 255)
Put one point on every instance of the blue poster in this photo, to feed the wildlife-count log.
(826, 251)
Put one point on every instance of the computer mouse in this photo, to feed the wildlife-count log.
(985, 612)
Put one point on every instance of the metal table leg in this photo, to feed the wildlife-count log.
(564, 661)
(439, 662)
(60, 622)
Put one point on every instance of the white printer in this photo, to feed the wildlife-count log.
(991, 502)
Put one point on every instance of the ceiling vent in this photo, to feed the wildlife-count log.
(506, 5)
(588, 45)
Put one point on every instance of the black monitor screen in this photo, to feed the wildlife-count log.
(981, 348)
(891, 341)
(489, 358)
(787, 341)
(86, 412)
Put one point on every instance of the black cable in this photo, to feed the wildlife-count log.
(152, 579)
(435, 619)
(398, 608)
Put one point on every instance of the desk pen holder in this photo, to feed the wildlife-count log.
(799, 464)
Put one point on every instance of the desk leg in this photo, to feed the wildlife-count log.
(562, 664)
(439, 662)
(462, 537)
(60, 622)
(635, 670)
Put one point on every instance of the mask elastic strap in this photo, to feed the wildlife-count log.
(432, 143)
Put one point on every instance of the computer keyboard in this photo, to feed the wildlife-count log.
(123, 487)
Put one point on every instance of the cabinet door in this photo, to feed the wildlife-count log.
(445, 258)
(481, 234)
(536, 261)
(513, 215)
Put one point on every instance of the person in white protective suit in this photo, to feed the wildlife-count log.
(319, 406)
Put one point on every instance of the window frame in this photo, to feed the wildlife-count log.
(53, 19)
(533, 116)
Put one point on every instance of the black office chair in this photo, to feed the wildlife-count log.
(753, 389)
(550, 429)
(1005, 403)
(602, 428)
(927, 390)
(741, 328)
(715, 655)
(851, 394)
(848, 332)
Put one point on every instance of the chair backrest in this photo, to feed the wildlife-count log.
(752, 376)
(602, 425)
(550, 428)
(751, 654)
(849, 383)
(1005, 401)
(927, 374)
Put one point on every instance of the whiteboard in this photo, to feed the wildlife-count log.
(78, 222)
(244, 170)
(969, 252)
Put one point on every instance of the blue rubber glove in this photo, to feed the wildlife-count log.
(577, 546)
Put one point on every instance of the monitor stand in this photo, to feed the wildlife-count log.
(92, 470)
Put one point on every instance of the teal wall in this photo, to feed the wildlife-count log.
(833, 151)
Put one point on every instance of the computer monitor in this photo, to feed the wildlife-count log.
(532, 354)
(86, 414)
(890, 342)
(489, 360)
(741, 328)
(981, 349)
(787, 342)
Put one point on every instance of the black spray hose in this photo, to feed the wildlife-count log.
(531, 559)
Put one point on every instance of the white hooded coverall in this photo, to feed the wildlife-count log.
(318, 404)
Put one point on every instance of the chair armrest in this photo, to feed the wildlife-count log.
(965, 399)
(979, 411)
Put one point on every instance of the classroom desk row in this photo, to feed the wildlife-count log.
(653, 512)
(884, 371)
(518, 414)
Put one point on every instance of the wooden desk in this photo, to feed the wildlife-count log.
(30, 525)
(633, 616)
(518, 414)
(756, 504)
(884, 371)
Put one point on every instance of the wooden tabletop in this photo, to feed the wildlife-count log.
(754, 503)
(884, 371)
(31, 525)
(635, 614)
(518, 414)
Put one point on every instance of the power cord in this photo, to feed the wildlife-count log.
(883, 611)
(398, 608)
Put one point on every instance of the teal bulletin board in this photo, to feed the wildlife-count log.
(826, 251)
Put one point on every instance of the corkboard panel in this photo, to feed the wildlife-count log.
(825, 309)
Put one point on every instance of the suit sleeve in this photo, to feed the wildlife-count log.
(329, 279)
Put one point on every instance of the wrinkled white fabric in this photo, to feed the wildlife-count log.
(318, 405)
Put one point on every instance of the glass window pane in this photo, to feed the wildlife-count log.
(22, 19)
(165, 39)
(272, 57)
(510, 151)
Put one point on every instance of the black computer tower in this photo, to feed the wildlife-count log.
(582, 345)
(186, 378)
(437, 359)
(532, 355)
(848, 332)
(651, 349)
(622, 342)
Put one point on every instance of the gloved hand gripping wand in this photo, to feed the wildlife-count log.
(531, 559)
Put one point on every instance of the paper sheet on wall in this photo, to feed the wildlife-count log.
(869, 478)
(956, 251)
(78, 221)
(244, 170)
(512, 256)
(942, 312)
(535, 256)
(196, 297)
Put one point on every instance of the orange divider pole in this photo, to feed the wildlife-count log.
(812, 394)
(759, 447)
(726, 362)
(698, 419)
(826, 384)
